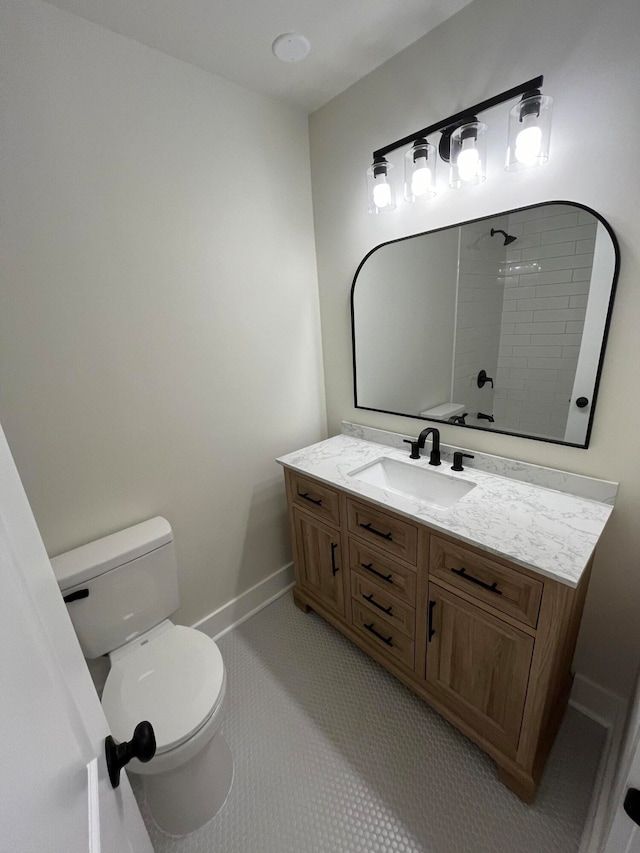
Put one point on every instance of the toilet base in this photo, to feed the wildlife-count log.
(184, 799)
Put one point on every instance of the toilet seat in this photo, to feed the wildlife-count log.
(174, 679)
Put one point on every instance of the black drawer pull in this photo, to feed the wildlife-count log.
(431, 630)
(74, 596)
(334, 569)
(371, 529)
(369, 568)
(489, 587)
(386, 640)
(306, 496)
(372, 600)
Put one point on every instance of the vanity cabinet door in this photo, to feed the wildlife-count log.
(319, 561)
(478, 666)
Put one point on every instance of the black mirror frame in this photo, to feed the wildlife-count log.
(614, 284)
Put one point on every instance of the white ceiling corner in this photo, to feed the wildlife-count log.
(349, 38)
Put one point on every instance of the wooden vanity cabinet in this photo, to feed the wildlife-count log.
(486, 643)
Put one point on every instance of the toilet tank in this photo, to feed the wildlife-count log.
(118, 587)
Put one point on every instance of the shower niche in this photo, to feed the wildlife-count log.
(498, 323)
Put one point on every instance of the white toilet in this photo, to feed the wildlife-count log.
(120, 591)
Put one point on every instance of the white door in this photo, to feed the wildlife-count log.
(624, 836)
(55, 794)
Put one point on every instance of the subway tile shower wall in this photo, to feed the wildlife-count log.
(536, 290)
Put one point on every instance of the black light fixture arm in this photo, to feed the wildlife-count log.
(468, 114)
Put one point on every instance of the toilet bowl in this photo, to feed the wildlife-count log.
(119, 591)
(188, 779)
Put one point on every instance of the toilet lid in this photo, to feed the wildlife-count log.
(173, 680)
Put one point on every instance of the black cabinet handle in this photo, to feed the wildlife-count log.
(369, 568)
(307, 497)
(489, 587)
(141, 746)
(74, 596)
(386, 640)
(372, 600)
(582, 402)
(430, 629)
(334, 569)
(379, 533)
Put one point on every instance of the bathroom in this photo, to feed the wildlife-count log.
(175, 297)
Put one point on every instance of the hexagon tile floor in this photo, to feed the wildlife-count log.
(333, 755)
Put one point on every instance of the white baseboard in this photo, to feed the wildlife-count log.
(610, 711)
(239, 609)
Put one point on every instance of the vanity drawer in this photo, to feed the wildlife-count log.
(398, 580)
(315, 497)
(383, 605)
(385, 531)
(379, 633)
(504, 588)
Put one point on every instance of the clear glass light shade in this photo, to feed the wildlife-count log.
(381, 196)
(529, 132)
(420, 171)
(468, 155)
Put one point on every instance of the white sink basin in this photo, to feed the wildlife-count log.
(423, 484)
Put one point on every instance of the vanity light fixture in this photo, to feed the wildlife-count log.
(529, 131)
(419, 171)
(463, 145)
(381, 194)
(467, 155)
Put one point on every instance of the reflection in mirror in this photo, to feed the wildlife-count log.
(496, 324)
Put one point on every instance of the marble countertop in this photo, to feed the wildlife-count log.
(551, 532)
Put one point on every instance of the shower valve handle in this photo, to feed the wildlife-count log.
(483, 379)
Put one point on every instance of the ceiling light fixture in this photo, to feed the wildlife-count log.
(291, 47)
(463, 145)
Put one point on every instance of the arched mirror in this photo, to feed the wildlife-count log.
(497, 324)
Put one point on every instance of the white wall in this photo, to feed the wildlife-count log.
(159, 334)
(589, 55)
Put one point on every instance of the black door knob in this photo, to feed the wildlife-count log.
(632, 804)
(141, 746)
(581, 402)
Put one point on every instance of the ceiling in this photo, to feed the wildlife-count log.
(349, 38)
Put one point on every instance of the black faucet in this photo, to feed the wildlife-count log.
(418, 445)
